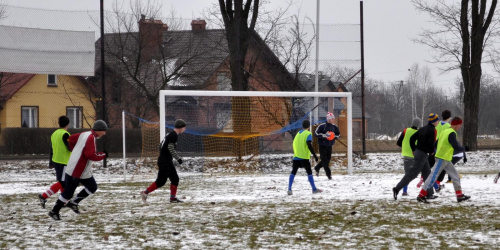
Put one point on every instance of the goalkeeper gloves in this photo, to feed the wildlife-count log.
(179, 161)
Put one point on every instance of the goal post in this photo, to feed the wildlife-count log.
(279, 107)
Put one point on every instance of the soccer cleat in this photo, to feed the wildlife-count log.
(329, 178)
(144, 197)
(317, 191)
(54, 215)
(73, 206)
(440, 187)
(317, 173)
(395, 193)
(422, 199)
(175, 200)
(289, 192)
(419, 184)
(431, 197)
(404, 194)
(462, 198)
(42, 200)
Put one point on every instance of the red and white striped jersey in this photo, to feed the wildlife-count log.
(83, 153)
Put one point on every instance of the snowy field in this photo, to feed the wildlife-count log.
(226, 209)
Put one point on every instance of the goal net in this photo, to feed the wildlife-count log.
(250, 130)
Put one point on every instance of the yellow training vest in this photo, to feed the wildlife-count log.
(60, 153)
(300, 149)
(444, 149)
(406, 149)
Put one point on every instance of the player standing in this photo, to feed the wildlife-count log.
(326, 133)
(166, 168)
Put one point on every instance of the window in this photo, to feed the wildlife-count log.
(223, 82)
(75, 116)
(51, 80)
(29, 117)
(223, 114)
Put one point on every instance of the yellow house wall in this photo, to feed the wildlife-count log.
(51, 102)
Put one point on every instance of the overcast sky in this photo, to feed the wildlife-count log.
(389, 26)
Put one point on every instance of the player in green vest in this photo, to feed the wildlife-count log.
(447, 146)
(302, 149)
(406, 152)
(59, 157)
(444, 124)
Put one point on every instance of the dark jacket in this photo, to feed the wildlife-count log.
(168, 152)
(321, 131)
(425, 137)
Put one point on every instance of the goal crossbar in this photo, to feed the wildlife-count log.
(347, 95)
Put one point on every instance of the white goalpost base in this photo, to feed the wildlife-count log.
(196, 93)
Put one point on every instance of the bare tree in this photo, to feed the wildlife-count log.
(464, 32)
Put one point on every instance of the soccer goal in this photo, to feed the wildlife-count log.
(251, 130)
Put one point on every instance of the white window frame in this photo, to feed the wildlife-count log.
(32, 116)
(73, 117)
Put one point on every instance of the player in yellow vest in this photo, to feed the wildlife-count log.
(406, 152)
(444, 124)
(447, 146)
(59, 156)
(302, 149)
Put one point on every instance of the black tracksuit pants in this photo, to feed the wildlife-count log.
(325, 154)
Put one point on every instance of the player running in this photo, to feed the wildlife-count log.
(59, 156)
(406, 151)
(302, 149)
(166, 168)
(447, 146)
(79, 168)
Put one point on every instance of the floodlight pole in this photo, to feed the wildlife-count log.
(316, 80)
(103, 89)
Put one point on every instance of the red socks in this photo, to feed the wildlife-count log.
(423, 193)
(151, 188)
(459, 193)
(52, 190)
(173, 191)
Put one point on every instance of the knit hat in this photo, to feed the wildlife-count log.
(433, 118)
(100, 125)
(306, 124)
(456, 121)
(330, 116)
(417, 122)
(179, 123)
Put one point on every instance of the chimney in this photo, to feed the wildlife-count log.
(198, 25)
(150, 36)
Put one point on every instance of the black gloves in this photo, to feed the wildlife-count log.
(179, 161)
(106, 153)
(465, 159)
(315, 158)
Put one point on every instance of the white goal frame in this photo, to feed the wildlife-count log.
(347, 95)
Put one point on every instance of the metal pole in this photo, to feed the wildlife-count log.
(316, 80)
(124, 148)
(103, 90)
(363, 125)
